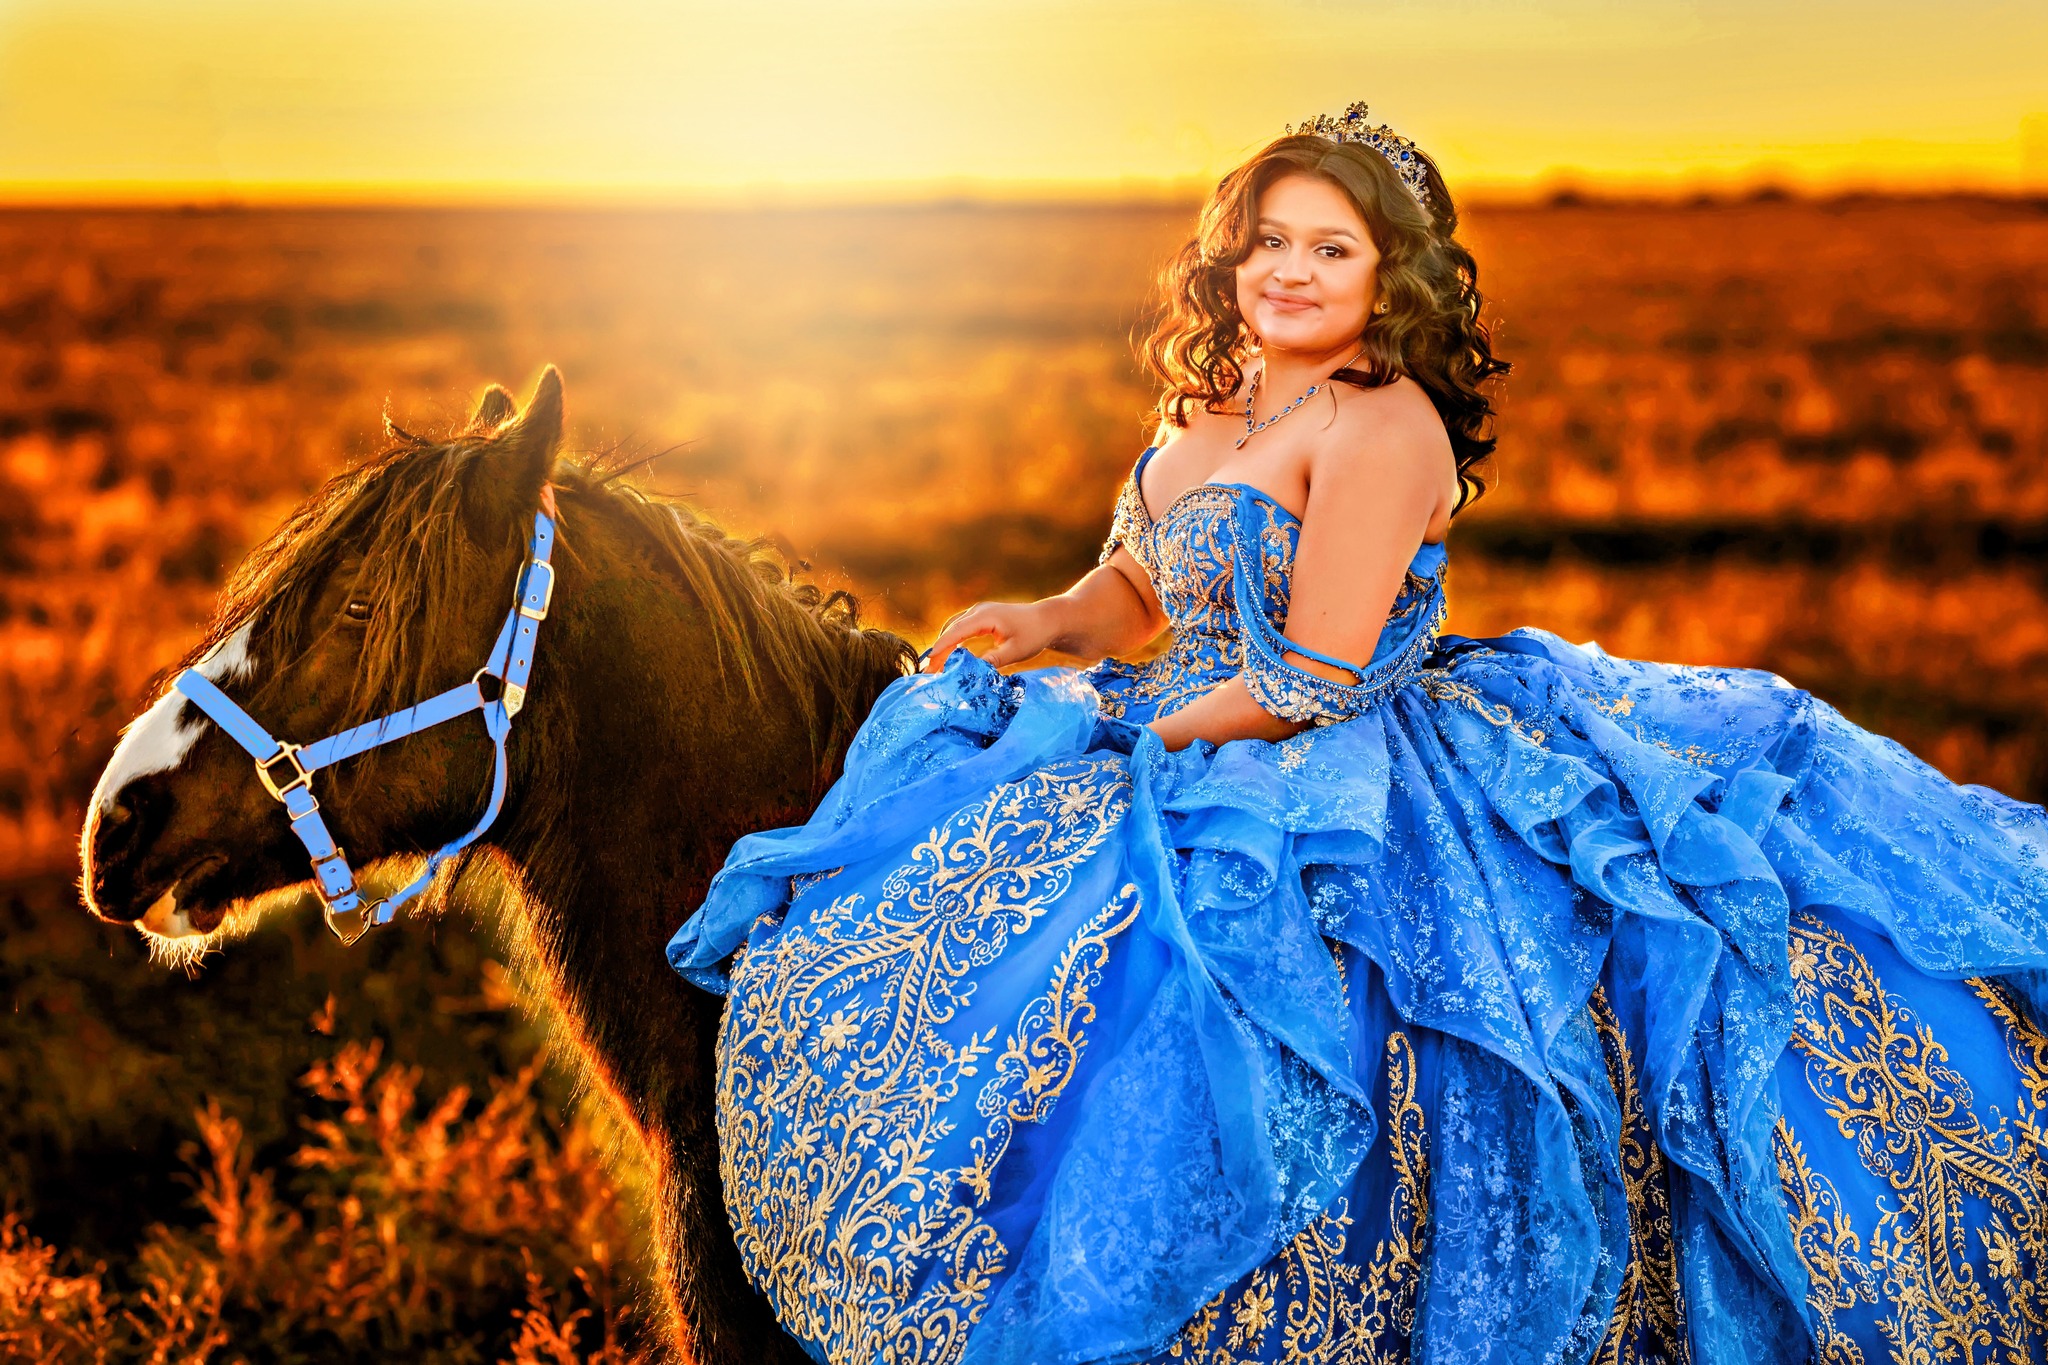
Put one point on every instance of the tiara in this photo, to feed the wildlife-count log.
(1350, 126)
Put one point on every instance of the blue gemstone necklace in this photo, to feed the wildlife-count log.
(1252, 396)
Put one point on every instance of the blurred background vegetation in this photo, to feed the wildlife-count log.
(1806, 435)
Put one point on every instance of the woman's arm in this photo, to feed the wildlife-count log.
(1386, 477)
(1110, 610)
(1225, 712)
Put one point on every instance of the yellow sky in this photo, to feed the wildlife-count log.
(609, 99)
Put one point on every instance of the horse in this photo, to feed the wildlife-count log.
(683, 692)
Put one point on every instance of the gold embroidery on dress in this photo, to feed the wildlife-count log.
(1624, 706)
(1189, 554)
(1190, 566)
(2026, 1045)
(1441, 686)
(804, 881)
(2027, 1048)
(834, 1099)
(1837, 1278)
(1648, 1322)
(1127, 524)
(1884, 1079)
(1294, 693)
(1048, 1041)
(1691, 753)
(1329, 1311)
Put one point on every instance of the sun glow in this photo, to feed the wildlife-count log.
(611, 100)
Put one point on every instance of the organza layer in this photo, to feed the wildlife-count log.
(1042, 1042)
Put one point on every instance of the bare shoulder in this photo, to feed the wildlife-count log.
(1392, 416)
(1380, 431)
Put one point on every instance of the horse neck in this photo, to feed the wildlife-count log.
(616, 837)
(635, 785)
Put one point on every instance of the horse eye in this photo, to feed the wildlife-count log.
(356, 610)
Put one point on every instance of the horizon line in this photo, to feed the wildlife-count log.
(1554, 190)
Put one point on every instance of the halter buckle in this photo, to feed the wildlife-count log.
(547, 591)
(510, 693)
(286, 753)
(364, 917)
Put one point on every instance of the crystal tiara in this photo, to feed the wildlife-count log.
(1350, 126)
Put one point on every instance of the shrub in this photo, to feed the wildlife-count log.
(434, 1230)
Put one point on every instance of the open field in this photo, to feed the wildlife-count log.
(1806, 437)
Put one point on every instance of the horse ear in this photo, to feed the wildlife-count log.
(507, 473)
(538, 430)
(492, 409)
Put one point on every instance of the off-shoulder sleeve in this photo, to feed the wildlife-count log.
(1127, 520)
(1292, 693)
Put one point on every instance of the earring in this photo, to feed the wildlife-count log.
(1382, 306)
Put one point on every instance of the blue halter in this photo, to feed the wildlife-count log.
(510, 661)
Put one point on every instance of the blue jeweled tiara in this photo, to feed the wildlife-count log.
(1350, 126)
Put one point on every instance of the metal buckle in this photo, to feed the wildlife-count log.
(510, 693)
(300, 777)
(365, 918)
(547, 594)
(321, 887)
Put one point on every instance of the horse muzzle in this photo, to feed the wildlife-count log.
(131, 875)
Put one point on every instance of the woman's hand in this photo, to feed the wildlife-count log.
(1104, 612)
(1022, 630)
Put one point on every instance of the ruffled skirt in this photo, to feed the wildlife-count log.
(1563, 1008)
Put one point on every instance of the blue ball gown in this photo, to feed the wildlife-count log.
(1531, 1005)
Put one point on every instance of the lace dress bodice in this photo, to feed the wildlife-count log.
(1221, 559)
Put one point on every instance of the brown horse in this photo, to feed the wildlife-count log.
(683, 693)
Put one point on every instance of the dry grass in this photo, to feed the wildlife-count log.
(47, 1313)
(935, 404)
(400, 1227)
(1807, 437)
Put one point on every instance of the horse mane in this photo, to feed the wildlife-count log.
(395, 523)
(764, 620)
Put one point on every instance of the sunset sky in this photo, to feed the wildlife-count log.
(604, 99)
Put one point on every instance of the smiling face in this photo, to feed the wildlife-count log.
(1311, 279)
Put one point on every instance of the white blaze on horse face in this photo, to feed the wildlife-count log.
(158, 740)
(229, 660)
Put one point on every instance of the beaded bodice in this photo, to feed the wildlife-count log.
(1199, 556)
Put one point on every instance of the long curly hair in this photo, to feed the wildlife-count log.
(1432, 331)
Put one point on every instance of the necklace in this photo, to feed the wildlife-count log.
(1252, 396)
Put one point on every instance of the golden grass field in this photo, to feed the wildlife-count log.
(1810, 437)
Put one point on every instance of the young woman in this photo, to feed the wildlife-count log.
(1330, 989)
